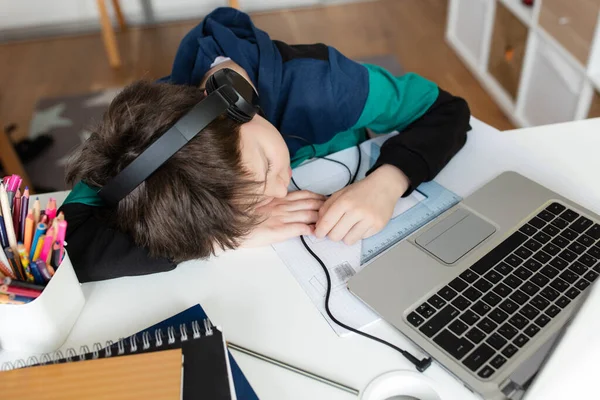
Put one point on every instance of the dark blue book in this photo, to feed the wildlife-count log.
(243, 389)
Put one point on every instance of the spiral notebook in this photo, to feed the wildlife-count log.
(203, 367)
(155, 375)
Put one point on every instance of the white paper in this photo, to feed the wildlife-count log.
(342, 261)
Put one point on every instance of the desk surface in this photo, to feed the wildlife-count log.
(251, 294)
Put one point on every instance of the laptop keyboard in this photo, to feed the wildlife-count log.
(493, 309)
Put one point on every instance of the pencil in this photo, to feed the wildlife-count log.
(36, 210)
(14, 263)
(39, 231)
(8, 222)
(51, 210)
(11, 282)
(28, 236)
(38, 248)
(6, 270)
(47, 247)
(24, 257)
(24, 213)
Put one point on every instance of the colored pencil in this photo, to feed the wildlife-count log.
(24, 258)
(36, 210)
(26, 285)
(51, 210)
(39, 231)
(47, 247)
(13, 261)
(38, 248)
(28, 237)
(18, 291)
(6, 270)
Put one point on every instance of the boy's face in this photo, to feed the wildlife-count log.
(266, 156)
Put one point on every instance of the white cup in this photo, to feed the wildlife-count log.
(401, 385)
(43, 325)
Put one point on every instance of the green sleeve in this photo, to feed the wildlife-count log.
(395, 102)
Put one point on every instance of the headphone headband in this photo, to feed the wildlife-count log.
(228, 92)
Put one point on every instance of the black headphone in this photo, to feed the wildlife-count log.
(227, 92)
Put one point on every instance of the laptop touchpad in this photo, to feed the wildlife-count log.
(455, 236)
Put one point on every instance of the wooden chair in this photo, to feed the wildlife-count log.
(10, 160)
(108, 32)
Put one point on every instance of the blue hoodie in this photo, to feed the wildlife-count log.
(310, 91)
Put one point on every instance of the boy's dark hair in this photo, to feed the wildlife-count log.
(200, 199)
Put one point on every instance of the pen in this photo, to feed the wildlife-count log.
(61, 233)
(16, 212)
(40, 273)
(43, 270)
(55, 260)
(3, 234)
(293, 369)
(8, 223)
(24, 213)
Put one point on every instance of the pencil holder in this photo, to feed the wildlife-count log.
(44, 324)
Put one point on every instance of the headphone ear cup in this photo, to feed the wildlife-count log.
(211, 84)
(238, 116)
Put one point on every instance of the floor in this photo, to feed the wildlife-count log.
(413, 30)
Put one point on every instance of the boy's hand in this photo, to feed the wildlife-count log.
(363, 208)
(285, 218)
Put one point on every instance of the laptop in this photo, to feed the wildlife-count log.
(488, 286)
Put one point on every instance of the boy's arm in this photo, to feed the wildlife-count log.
(432, 124)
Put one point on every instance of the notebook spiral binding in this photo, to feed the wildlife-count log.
(123, 346)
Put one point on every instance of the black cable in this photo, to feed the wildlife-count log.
(351, 177)
(421, 365)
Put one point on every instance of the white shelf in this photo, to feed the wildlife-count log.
(554, 85)
(595, 79)
(520, 10)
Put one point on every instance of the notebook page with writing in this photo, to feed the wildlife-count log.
(155, 375)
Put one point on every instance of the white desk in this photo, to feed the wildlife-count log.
(251, 294)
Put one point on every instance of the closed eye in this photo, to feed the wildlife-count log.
(269, 166)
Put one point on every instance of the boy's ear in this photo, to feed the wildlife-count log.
(205, 92)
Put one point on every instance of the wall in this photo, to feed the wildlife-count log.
(20, 19)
